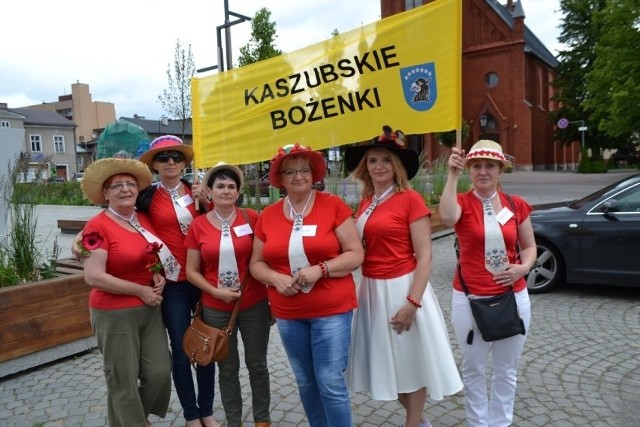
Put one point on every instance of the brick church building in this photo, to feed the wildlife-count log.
(506, 92)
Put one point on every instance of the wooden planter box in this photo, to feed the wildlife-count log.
(43, 315)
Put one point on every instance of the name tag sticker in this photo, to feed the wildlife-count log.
(309, 230)
(185, 200)
(243, 230)
(504, 215)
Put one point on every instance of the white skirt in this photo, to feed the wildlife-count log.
(384, 363)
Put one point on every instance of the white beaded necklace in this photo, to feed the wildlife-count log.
(169, 190)
(222, 219)
(293, 213)
(129, 220)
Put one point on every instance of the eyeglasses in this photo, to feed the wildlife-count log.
(164, 157)
(290, 173)
(131, 185)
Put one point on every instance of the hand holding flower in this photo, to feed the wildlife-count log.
(153, 249)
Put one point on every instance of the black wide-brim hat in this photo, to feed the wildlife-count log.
(408, 157)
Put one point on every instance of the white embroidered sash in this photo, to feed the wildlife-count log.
(169, 262)
(182, 213)
(495, 252)
(297, 257)
(228, 275)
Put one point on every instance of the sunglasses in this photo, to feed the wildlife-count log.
(164, 157)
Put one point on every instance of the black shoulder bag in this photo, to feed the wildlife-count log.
(497, 317)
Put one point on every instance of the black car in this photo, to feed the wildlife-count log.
(594, 240)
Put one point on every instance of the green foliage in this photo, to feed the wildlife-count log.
(65, 193)
(589, 165)
(20, 257)
(614, 80)
(448, 139)
(430, 184)
(262, 43)
(598, 73)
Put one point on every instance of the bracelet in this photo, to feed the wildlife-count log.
(325, 270)
(413, 301)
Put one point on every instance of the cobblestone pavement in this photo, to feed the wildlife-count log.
(580, 367)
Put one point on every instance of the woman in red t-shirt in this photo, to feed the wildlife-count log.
(305, 249)
(400, 345)
(489, 266)
(219, 246)
(121, 264)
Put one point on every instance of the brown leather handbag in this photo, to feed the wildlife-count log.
(204, 344)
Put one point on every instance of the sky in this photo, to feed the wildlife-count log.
(123, 50)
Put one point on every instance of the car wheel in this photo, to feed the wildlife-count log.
(547, 271)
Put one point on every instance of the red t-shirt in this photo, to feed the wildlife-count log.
(470, 232)
(329, 296)
(387, 236)
(166, 223)
(125, 259)
(204, 237)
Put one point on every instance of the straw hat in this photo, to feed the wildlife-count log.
(316, 160)
(220, 166)
(166, 143)
(487, 149)
(101, 170)
(389, 140)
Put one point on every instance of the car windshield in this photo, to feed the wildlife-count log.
(598, 194)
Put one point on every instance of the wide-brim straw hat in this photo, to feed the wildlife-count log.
(166, 143)
(101, 170)
(389, 140)
(486, 149)
(316, 160)
(220, 166)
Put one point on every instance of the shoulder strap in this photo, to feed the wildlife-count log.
(513, 207)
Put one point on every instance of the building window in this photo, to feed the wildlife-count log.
(58, 144)
(412, 4)
(36, 143)
(67, 113)
(4, 124)
(491, 79)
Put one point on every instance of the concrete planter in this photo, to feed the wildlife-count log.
(43, 321)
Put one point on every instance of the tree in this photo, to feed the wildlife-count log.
(262, 43)
(176, 100)
(614, 80)
(582, 74)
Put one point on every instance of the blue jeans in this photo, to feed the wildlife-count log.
(179, 302)
(318, 350)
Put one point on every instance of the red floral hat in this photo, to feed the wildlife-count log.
(316, 160)
(486, 149)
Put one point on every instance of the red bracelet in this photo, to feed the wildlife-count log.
(325, 270)
(413, 301)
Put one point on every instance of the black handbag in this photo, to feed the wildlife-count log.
(497, 317)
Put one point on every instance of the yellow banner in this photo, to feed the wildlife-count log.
(403, 71)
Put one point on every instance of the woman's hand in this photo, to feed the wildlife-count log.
(227, 295)
(403, 319)
(285, 285)
(456, 161)
(158, 283)
(307, 276)
(149, 296)
(511, 275)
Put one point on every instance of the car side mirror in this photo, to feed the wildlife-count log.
(609, 207)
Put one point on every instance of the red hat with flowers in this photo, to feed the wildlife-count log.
(316, 161)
